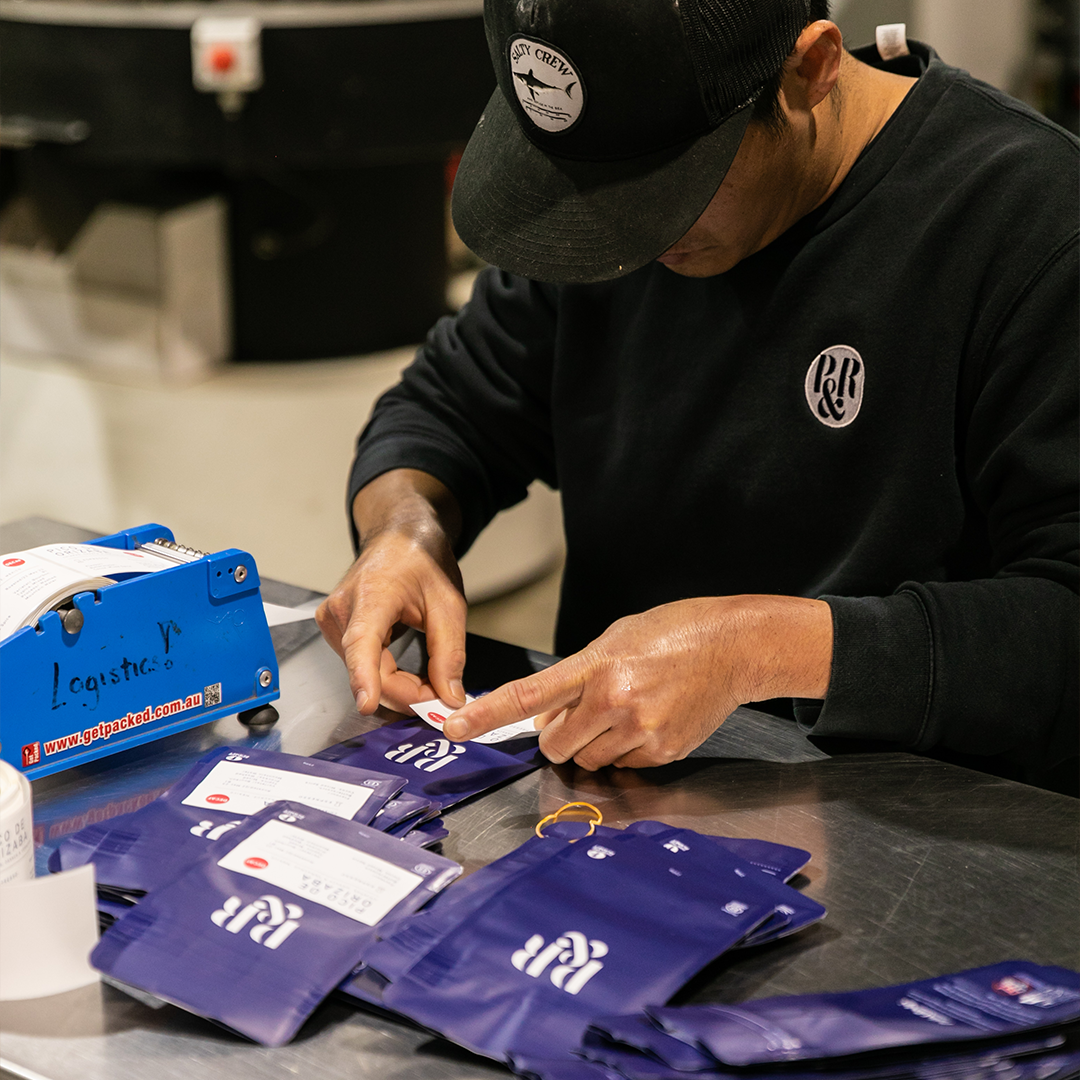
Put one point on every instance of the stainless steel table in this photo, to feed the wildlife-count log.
(924, 867)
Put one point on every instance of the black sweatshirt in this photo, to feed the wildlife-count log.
(878, 409)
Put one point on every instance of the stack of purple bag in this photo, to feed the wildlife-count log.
(258, 929)
(1010, 1021)
(252, 887)
(398, 779)
(514, 960)
(135, 853)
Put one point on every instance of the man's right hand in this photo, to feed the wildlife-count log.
(406, 573)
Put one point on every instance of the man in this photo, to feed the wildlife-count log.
(806, 381)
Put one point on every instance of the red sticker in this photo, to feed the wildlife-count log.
(31, 754)
(255, 863)
(1013, 985)
(217, 799)
(14, 562)
(435, 718)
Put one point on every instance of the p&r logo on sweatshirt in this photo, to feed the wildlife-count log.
(834, 385)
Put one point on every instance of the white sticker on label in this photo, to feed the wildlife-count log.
(324, 871)
(434, 714)
(246, 789)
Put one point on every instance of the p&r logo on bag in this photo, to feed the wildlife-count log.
(431, 755)
(578, 957)
(274, 917)
(407, 749)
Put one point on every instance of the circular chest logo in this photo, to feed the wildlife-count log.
(217, 800)
(547, 84)
(255, 863)
(834, 385)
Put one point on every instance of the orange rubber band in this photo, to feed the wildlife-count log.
(572, 807)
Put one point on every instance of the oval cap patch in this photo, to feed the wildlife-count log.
(547, 84)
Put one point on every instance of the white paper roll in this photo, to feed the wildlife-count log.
(16, 826)
(48, 927)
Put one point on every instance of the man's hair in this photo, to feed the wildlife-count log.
(768, 112)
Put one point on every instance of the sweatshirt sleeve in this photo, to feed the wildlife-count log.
(473, 409)
(987, 666)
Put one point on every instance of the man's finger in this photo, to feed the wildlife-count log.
(546, 717)
(363, 649)
(555, 688)
(329, 626)
(401, 690)
(582, 735)
(445, 631)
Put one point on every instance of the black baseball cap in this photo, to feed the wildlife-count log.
(613, 124)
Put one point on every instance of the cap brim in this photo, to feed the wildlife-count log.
(561, 220)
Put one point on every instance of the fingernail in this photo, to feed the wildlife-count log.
(361, 700)
(551, 755)
(456, 728)
(457, 690)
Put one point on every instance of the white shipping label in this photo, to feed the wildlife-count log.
(350, 882)
(33, 581)
(434, 714)
(246, 789)
(98, 559)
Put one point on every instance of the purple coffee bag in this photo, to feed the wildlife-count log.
(436, 769)
(793, 911)
(403, 812)
(396, 952)
(1028, 1059)
(428, 834)
(270, 919)
(519, 971)
(1001, 1000)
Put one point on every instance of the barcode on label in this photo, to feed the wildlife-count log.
(212, 694)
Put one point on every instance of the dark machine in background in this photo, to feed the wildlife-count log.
(333, 162)
(1052, 75)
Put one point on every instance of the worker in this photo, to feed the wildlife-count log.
(793, 331)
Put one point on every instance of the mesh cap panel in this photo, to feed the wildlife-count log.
(738, 45)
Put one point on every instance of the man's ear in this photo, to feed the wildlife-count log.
(811, 71)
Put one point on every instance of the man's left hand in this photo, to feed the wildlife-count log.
(654, 686)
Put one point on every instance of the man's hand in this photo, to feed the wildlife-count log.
(654, 686)
(406, 573)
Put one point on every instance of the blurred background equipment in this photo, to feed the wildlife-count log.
(1049, 79)
(1029, 48)
(322, 128)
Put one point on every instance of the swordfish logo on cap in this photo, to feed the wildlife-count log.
(547, 84)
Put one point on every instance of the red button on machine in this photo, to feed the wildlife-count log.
(222, 58)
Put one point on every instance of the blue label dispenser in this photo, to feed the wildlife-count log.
(138, 660)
